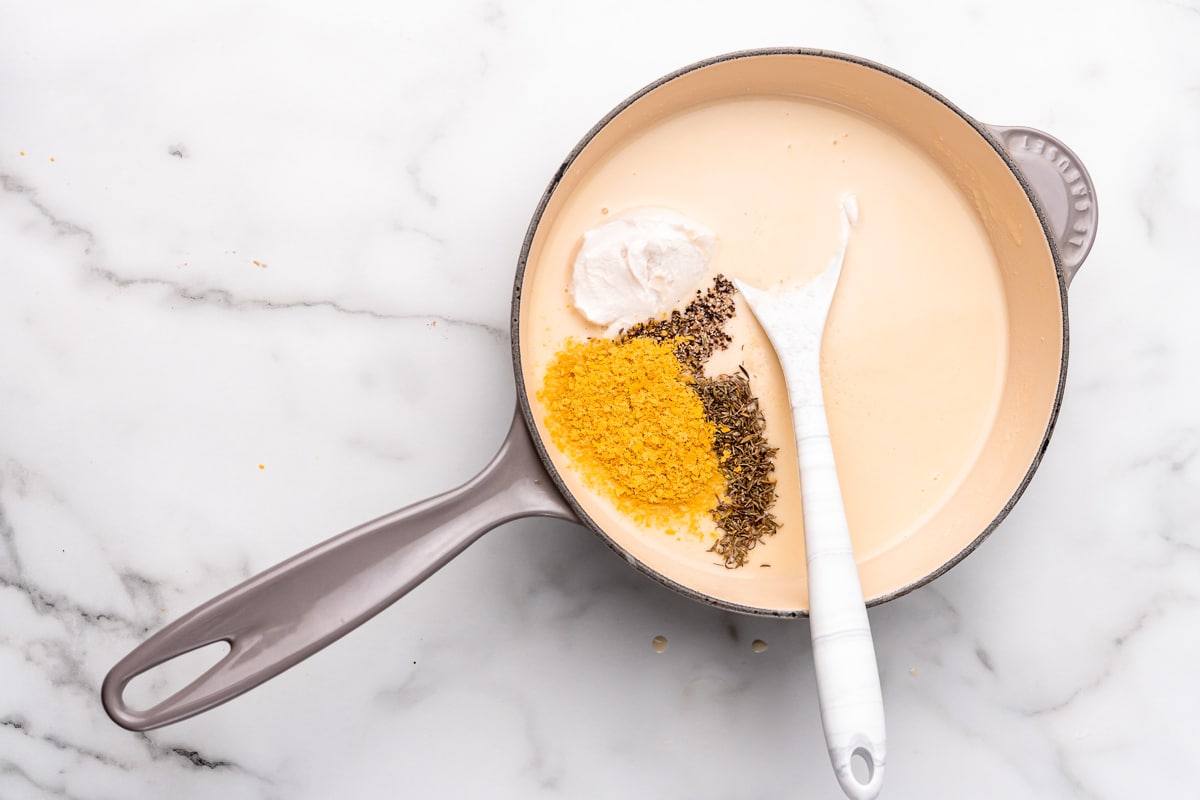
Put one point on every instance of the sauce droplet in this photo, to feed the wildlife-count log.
(660, 644)
(758, 646)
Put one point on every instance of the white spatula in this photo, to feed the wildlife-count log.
(843, 654)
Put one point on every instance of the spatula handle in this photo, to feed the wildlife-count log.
(843, 654)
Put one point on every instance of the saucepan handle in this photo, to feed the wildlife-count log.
(280, 617)
(1063, 187)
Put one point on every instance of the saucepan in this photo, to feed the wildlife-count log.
(944, 375)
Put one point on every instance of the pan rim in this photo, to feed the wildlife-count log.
(522, 262)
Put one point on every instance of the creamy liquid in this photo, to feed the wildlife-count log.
(914, 352)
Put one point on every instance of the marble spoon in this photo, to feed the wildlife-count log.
(847, 676)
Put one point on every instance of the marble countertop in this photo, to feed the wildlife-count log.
(255, 272)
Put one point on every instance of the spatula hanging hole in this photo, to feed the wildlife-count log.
(158, 683)
(862, 766)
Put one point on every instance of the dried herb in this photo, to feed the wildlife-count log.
(747, 462)
(698, 330)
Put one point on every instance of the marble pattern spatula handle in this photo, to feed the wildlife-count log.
(843, 653)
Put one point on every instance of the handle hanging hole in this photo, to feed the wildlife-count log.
(156, 684)
(862, 765)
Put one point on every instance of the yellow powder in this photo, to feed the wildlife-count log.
(627, 416)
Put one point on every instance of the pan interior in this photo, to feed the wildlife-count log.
(943, 353)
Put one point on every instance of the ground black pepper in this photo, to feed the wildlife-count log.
(698, 331)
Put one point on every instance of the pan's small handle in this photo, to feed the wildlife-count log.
(280, 617)
(1063, 187)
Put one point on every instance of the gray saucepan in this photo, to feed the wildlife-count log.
(1033, 198)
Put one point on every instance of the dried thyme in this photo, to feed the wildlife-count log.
(698, 330)
(746, 460)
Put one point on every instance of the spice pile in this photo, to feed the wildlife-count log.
(697, 331)
(744, 511)
(664, 442)
(626, 412)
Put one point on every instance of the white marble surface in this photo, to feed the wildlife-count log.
(381, 162)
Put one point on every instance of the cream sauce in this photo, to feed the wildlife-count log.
(914, 354)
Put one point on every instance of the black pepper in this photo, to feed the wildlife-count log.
(698, 330)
